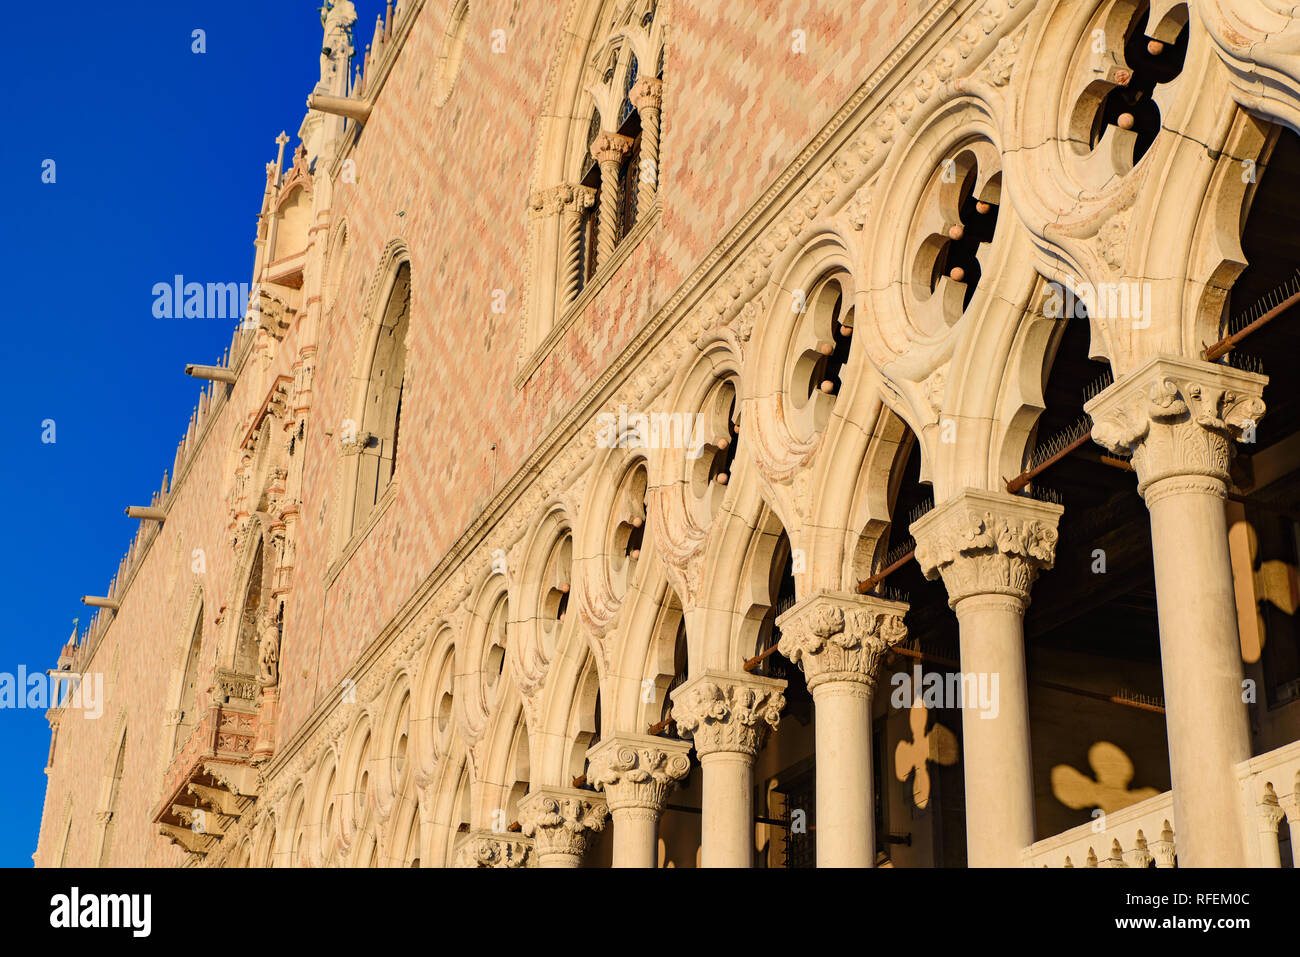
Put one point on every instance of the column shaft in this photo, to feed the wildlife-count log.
(845, 810)
(996, 750)
(1178, 418)
(727, 822)
(636, 837)
(1200, 658)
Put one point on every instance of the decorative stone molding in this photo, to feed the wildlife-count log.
(1178, 419)
(558, 819)
(987, 543)
(638, 771)
(233, 686)
(610, 147)
(647, 93)
(483, 849)
(841, 637)
(722, 711)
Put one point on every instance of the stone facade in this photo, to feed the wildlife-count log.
(571, 317)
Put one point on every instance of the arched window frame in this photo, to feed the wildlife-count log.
(600, 133)
(369, 440)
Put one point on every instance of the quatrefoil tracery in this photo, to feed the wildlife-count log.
(958, 215)
(819, 352)
(1116, 116)
(627, 531)
(709, 473)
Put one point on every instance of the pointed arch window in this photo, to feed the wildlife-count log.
(248, 645)
(381, 416)
(599, 171)
(110, 812)
(189, 699)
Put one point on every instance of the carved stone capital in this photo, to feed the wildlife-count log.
(723, 711)
(565, 198)
(1178, 418)
(647, 93)
(483, 848)
(558, 819)
(610, 148)
(358, 444)
(637, 770)
(987, 543)
(841, 637)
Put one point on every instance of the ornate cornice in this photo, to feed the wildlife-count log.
(841, 637)
(1178, 419)
(638, 771)
(558, 819)
(721, 711)
(987, 543)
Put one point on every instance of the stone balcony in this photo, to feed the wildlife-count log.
(211, 781)
(1145, 834)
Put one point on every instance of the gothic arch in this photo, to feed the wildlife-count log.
(355, 781)
(451, 52)
(482, 657)
(250, 640)
(110, 789)
(539, 598)
(392, 752)
(601, 43)
(322, 811)
(185, 688)
(369, 439)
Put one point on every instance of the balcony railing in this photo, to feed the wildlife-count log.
(1140, 835)
(1143, 834)
(211, 781)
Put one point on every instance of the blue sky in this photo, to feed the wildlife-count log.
(160, 160)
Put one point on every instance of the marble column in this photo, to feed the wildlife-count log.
(840, 640)
(637, 772)
(647, 96)
(728, 715)
(1178, 419)
(558, 820)
(609, 150)
(989, 547)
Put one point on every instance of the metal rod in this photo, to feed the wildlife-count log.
(1018, 483)
(659, 727)
(1228, 343)
(759, 658)
(868, 585)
